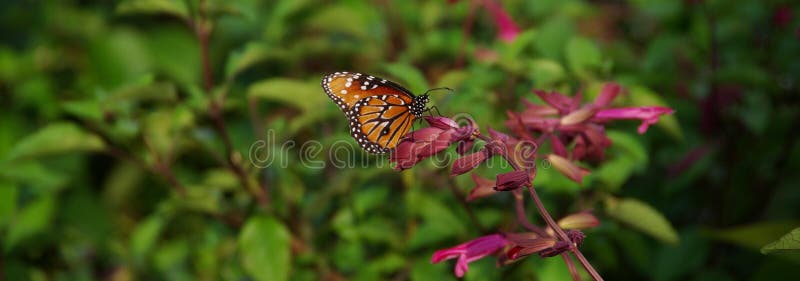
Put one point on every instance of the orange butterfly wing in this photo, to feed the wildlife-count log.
(378, 123)
(379, 110)
(347, 88)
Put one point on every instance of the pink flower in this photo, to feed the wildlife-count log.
(648, 114)
(506, 28)
(470, 251)
(425, 142)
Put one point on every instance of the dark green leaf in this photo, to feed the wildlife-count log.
(170, 7)
(32, 219)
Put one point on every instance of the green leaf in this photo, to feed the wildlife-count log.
(366, 200)
(306, 96)
(408, 76)
(146, 236)
(642, 217)
(85, 109)
(627, 155)
(583, 56)
(545, 73)
(788, 242)
(553, 36)
(170, 7)
(32, 219)
(552, 269)
(55, 138)
(340, 18)
(439, 222)
(264, 247)
(238, 61)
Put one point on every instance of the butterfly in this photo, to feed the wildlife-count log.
(380, 111)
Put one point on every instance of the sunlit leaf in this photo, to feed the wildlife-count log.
(56, 138)
(642, 217)
(788, 242)
(264, 247)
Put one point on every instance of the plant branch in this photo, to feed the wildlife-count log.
(203, 32)
(523, 218)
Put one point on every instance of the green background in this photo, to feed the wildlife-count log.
(112, 166)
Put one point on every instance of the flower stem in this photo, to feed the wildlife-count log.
(571, 266)
(563, 236)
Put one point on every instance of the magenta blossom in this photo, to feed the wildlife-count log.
(565, 122)
(648, 114)
(470, 251)
(506, 28)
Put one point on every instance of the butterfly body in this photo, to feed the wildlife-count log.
(380, 112)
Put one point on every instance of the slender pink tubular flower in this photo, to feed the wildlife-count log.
(648, 114)
(470, 251)
(506, 28)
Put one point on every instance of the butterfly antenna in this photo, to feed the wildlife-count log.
(440, 88)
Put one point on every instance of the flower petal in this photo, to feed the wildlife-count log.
(580, 220)
(568, 168)
(607, 95)
(443, 123)
(470, 251)
(506, 28)
(468, 162)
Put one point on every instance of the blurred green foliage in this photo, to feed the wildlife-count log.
(112, 166)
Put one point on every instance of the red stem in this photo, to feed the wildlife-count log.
(573, 271)
(563, 236)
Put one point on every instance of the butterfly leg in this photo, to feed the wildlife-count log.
(432, 109)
